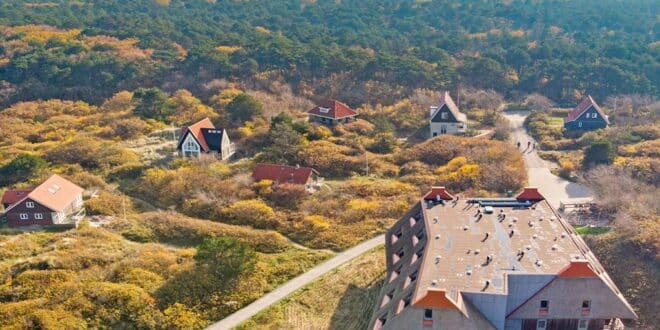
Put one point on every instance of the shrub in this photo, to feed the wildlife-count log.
(21, 168)
(252, 212)
(599, 152)
(287, 195)
(244, 107)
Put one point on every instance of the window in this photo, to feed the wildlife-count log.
(583, 324)
(544, 304)
(443, 115)
(594, 115)
(38, 216)
(29, 205)
(586, 304)
(543, 310)
(435, 134)
(579, 124)
(23, 216)
(541, 324)
(428, 314)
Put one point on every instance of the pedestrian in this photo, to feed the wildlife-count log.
(518, 144)
(528, 144)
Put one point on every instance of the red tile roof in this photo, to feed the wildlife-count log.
(56, 193)
(586, 103)
(12, 196)
(196, 130)
(282, 173)
(333, 109)
(578, 268)
(530, 194)
(438, 191)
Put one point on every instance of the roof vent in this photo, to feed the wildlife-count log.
(437, 259)
(538, 263)
(531, 223)
(553, 218)
(515, 219)
(563, 235)
(466, 227)
(528, 247)
(554, 247)
(541, 219)
(434, 282)
(469, 272)
(534, 236)
(476, 251)
(437, 236)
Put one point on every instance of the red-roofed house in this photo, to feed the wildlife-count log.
(446, 118)
(279, 174)
(332, 112)
(586, 116)
(202, 137)
(56, 201)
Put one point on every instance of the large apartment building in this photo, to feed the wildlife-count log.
(493, 263)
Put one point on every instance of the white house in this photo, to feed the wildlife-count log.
(446, 118)
(203, 137)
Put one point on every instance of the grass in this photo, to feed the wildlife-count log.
(587, 230)
(342, 299)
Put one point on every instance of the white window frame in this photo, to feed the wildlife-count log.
(38, 216)
(444, 115)
(29, 205)
(594, 115)
(583, 324)
(541, 324)
(579, 124)
(23, 216)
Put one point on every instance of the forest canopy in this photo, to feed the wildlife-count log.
(359, 50)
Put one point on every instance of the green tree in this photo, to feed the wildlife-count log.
(244, 107)
(21, 168)
(599, 152)
(284, 144)
(153, 103)
(226, 257)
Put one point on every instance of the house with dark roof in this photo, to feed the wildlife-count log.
(280, 174)
(587, 115)
(56, 201)
(493, 263)
(332, 112)
(203, 137)
(446, 118)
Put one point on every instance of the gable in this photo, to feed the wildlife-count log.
(565, 296)
(21, 207)
(186, 138)
(437, 118)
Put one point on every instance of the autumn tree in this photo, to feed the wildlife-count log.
(599, 152)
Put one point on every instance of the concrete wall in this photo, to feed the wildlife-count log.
(450, 319)
(565, 296)
(521, 287)
(492, 306)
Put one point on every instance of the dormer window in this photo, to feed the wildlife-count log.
(417, 256)
(396, 236)
(394, 275)
(324, 109)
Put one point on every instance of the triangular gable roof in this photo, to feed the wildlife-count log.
(12, 196)
(583, 106)
(333, 109)
(282, 173)
(196, 131)
(56, 193)
(530, 194)
(438, 191)
(445, 99)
